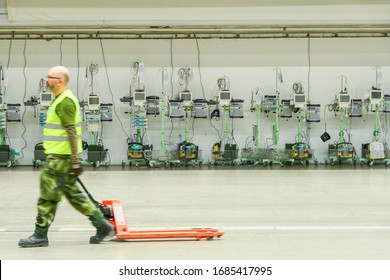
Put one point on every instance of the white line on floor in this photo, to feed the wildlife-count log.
(226, 228)
(306, 228)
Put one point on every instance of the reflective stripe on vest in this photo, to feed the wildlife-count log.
(55, 136)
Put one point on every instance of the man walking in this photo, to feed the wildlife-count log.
(63, 145)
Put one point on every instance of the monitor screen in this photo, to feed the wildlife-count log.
(300, 98)
(344, 98)
(139, 96)
(93, 100)
(376, 94)
(225, 95)
(186, 96)
(46, 97)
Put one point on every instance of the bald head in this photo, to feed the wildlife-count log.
(61, 72)
(57, 79)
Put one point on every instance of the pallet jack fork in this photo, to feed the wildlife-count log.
(117, 219)
(113, 212)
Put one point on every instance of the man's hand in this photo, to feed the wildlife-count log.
(77, 169)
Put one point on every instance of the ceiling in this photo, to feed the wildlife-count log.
(201, 18)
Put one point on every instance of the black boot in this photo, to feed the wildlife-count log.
(34, 241)
(104, 231)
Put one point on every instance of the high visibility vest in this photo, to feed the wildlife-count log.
(55, 138)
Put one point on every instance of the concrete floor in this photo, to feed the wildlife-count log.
(273, 213)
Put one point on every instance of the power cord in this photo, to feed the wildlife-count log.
(200, 73)
(24, 97)
(109, 87)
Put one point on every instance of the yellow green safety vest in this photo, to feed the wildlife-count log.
(55, 138)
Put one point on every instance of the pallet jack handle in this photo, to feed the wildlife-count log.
(97, 204)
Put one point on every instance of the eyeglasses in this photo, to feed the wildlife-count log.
(54, 78)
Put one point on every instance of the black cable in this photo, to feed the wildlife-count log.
(61, 52)
(101, 135)
(171, 52)
(9, 53)
(5, 90)
(170, 133)
(200, 74)
(350, 130)
(232, 133)
(109, 87)
(386, 129)
(193, 129)
(309, 59)
(24, 97)
(307, 133)
(219, 134)
(78, 67)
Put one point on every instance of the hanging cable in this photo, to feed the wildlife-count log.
(170, 133)
(5, 89)
(61, 52)
(109, 87)
(200, 73)
(193, 129)
(78, 67)
(309, 60)
(171, 52)
(24, 97)
(216, 129)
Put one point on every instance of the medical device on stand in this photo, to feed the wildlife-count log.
(8, 113)
(138, 152)
(225, 151)
(343, 150)
(97, 154)
(189, 152)
(41, 103)
(300, 150)
(160, 157)
(252, 155)
(270, 107)
(377, 150)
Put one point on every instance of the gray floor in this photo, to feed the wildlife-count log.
(267, 213)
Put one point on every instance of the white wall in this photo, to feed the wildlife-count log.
(248, 63)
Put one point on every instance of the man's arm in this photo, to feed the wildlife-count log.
(66, 111)
(72, 137)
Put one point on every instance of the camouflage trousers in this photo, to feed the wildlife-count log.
(56, 181)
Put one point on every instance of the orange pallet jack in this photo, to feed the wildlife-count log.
(113, 212)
